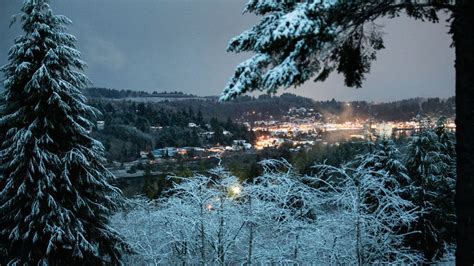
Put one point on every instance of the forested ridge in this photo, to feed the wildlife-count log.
(131, 127)
(266, 106)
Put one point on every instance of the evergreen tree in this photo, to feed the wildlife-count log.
(385, 156)
(149, 185)
(296, 41)
(54, 196)
(199, 118)
(430, 166)
(218, 131)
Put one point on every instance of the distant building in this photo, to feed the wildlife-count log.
(207, 134)
(295, 110)
(192, 125)
(144, 154)
(238, 142)
(216, 150)
(181, 151)
(154, 129)
(165, 152)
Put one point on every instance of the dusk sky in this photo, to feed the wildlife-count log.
(181, 45)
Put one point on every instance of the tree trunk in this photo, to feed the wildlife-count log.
(463, 34)
(250, 244)
(220, 234)
(202, 236)
(295, 252)
(358, 240)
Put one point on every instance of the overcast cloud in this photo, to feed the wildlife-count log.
(180, 45)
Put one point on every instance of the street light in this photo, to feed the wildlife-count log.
(235, 190)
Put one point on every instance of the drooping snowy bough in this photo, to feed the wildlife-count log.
(296, 41)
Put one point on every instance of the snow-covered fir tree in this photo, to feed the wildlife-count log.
(430, 161)
(54, 196)
(384, 155)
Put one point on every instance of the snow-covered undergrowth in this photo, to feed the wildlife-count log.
(342, 216)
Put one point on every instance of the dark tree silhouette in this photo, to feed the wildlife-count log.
(300, 40)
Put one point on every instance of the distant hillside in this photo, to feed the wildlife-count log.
(276, 107)
(106, 93)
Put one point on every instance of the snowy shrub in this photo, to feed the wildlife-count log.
(342, 216)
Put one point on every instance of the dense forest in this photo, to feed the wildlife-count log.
(131, 127)
(121, 94)
(276, 107)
